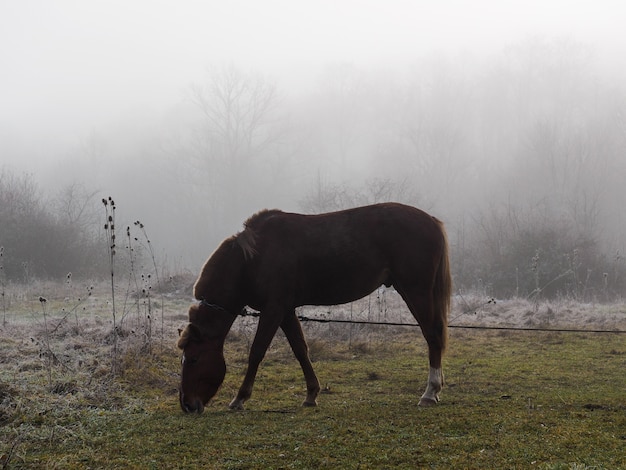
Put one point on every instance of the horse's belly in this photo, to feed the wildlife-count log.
(339, 287)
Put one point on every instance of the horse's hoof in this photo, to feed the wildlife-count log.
(236, 405)
(424, 401)
(309, 404)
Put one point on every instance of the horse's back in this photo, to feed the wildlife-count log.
(341, 256)
(385, 222)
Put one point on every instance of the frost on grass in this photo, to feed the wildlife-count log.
(386, 305)
(56, 363)
(561, 313)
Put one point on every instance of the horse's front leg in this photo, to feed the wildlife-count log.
(293, 331)
(265, 332)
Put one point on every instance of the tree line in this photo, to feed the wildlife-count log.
(520, 154)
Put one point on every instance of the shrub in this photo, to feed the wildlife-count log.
(536, 258)
(41, 241)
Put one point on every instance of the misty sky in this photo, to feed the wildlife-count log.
(69, 67)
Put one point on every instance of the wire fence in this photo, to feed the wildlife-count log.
(303, 318)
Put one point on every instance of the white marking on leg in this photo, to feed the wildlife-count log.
(435, 383)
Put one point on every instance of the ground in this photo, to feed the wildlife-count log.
(512, 398)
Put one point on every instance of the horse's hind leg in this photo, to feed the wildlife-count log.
(433, 329)
(293, 331)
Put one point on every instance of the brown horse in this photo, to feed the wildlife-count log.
(282, 260)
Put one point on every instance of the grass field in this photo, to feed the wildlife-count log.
(512, 400)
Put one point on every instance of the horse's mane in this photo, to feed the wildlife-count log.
(247, 239)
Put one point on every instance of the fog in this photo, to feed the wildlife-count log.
(494, 116)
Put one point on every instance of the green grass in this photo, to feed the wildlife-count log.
(512, 400)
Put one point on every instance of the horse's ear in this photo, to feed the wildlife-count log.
(183, 338)
(190, 333)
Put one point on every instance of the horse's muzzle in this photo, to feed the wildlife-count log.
(190, 406)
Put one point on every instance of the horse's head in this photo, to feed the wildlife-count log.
(203, 365)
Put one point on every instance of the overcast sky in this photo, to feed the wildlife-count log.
(67, 67)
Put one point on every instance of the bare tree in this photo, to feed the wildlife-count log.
(237, 109)
(342, 106)
(433, 126)
(19, 196)
(76, 206)
(236, 131)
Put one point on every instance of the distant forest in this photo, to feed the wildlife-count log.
(521, 155)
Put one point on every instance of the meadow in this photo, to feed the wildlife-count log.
(75, 395)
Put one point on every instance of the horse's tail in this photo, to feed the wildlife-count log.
(442, 291)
